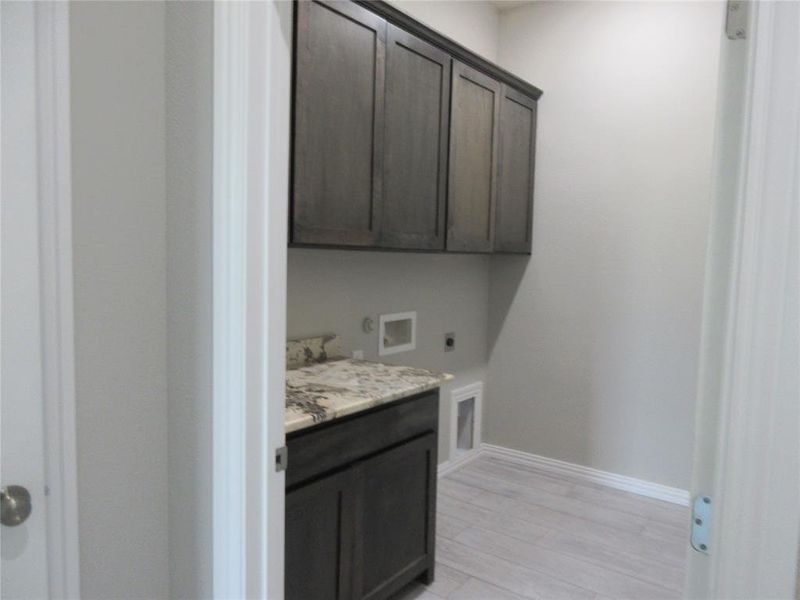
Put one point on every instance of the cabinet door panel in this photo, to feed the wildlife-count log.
(473, 149)
(515, 173)
(319, 539)
(415, 157)
(338, 152)
(395, 517)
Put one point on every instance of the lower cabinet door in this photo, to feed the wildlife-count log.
(319, 539)
(395, 518)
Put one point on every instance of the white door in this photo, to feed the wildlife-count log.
(24, 546)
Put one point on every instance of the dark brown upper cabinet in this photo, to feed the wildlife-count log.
(339, 121)
(415, 143)
(403, 139)
(473, 160)
(514, 213)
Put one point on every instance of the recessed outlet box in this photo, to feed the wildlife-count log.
(449, 342)
(397, 333)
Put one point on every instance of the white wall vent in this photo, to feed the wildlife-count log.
(466, 415)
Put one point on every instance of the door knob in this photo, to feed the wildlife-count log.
(15, 502)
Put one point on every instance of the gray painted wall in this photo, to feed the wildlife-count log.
(333, 290)
(117, 63)
(594, 339)
(189, 111)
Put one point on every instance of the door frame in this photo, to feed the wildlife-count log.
(251, 158)
(755, 453)
(252, 76)
(58, 347)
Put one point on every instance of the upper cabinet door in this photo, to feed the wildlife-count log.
(415, 157)
(338, 151)
(514, 215)
(473, 158)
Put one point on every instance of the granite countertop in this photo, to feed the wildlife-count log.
(327, 386)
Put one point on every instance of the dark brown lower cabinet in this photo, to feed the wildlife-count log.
(395, 518)
(319, 538)
(366, 529)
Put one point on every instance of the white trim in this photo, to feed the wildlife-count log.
(572, 471)
(58, 352)
(402, 316)
(475, 391)
(454, 464)
(251, 144)
(757, 487)
(589, 475)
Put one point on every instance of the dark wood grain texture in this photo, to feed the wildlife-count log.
(403, 140)
(361, 502)
(339, 112)
(415, 145)
(474, 120)
(395, 512)
(514, 214)
(319, 539)
(317, 450)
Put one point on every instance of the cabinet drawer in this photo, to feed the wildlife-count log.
(318, 450)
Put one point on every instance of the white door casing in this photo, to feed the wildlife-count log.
(252, 77)
(40, 557)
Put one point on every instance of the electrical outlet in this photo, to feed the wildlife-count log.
(449, 342)
(358, 354)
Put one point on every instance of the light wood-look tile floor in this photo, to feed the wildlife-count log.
(509, 531)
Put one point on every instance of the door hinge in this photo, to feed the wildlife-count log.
(281, 459)
(736, 20)
(701, 524)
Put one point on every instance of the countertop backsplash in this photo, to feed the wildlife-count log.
(313, 350)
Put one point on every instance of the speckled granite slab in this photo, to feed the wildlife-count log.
(310, 351)
(326, 391)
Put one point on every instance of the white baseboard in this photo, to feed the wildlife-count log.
(579, 472)
(451, 465)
